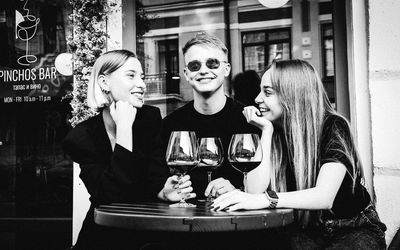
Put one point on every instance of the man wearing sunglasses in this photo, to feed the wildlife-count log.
(211, 113)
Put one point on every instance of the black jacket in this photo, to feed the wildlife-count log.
(119, 175)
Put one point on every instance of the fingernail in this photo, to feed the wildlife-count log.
(225, 209)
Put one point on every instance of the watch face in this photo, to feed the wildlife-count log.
(272, 194)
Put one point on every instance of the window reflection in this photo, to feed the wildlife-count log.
(261, 48)
(35, 174)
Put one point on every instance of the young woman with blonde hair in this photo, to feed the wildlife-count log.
(310, 164)
(119, 150)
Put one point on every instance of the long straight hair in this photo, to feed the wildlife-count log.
(296, 142)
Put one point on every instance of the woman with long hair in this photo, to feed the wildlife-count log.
(310, 163)
(119, 150)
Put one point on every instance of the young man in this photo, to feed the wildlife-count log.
(211, 113)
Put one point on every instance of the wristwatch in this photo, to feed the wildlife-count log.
(272, 197)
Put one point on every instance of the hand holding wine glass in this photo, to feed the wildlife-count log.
(175, 187)
(211, 156)
(181, 157)
(245, 153)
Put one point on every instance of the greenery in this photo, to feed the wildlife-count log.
(87, 42)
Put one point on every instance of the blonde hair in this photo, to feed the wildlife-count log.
(206, 40)
(106, 64)
(305, 108)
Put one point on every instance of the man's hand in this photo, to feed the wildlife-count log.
(176, 187)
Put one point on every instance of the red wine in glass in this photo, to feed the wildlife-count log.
(211, 156)
(245, 153)
(180, 168)
(181, 157)
(245, 167)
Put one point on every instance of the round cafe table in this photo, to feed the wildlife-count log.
(162, 217)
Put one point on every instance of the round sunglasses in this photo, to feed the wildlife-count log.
(211, 63)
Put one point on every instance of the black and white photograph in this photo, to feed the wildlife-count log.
(199, 124)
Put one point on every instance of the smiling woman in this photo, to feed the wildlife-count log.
(122, 81)
(119, 150)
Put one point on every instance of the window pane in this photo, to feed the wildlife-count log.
(254, 58)
(165, 79)
(279, 51)
(328, 30)
(254, 37)
(281, 35)
(329, 65)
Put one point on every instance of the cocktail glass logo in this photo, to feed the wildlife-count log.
(26, 29)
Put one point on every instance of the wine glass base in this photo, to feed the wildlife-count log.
(26, 60)
(182, 204)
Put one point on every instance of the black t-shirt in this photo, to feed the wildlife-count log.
(223, 124)
(347, 203)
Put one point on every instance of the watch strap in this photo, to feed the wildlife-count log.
(273, 199)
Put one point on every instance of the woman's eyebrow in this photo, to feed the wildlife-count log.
(267, 87)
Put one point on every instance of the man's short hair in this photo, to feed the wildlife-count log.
(204, 39)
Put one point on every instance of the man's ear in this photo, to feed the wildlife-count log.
(227, 69)
(103, 83)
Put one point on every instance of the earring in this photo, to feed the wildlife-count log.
(105, 91)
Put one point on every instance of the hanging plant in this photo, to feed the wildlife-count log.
(87, 42)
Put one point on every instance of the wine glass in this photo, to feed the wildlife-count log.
(181, 157)
(26, 30)
(245, 153)
(211, 156)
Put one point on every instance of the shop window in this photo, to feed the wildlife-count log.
(35, 77)
(262, 47)
(168, 52)
(160, 60)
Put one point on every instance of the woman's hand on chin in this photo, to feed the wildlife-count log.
(237, 199)
(123, 113)
(253, 116)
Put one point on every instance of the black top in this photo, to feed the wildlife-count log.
(223, 124)
(347, 203)
(119, 175)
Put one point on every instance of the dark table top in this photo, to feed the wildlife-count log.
(161, 217)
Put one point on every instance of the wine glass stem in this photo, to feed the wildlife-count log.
(245, 181)
(182, 201)
(209, 197)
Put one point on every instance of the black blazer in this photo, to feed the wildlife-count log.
(119, 175)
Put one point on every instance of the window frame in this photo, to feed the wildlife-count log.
(266, 43)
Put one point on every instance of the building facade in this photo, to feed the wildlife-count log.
(254, 34)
